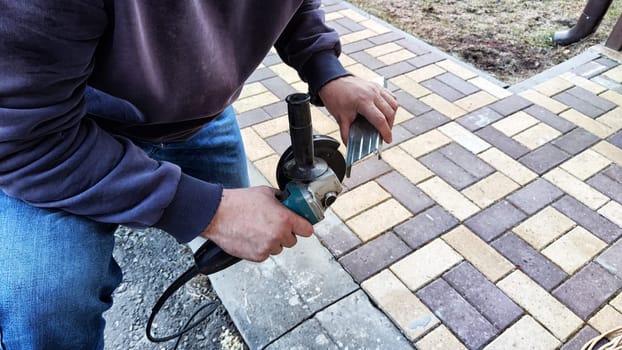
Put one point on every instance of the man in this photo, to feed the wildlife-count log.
(119, 112)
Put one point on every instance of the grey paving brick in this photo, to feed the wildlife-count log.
(591, 98)
(409, 195)
(598, 225)
(467, 160)
(576, 141)
(487, 298)
(614, 172)
(395, 69)
(544, 158)
(386, 37)
(608, 83)
(608, 186)
(607, 62)
(276, 109)
(279, 142)
(479, 118)
(357, 46)
(355, 323)
(535, 196)
(578, 104)
(411, 104)
(260, 74)
(399, 134)
(581, 338)
(611, 259)
(252, 117)
(506, 144)
(491, 222)
(368, 60)
(350, 24)
(442, 89)
(340, 29)
(271, 59)
(426, 226)
(425, 122)
(366, 170)
(457, 314)
(587, 290)
(530, 261)
(279, 87)
(590, 69)
(448, 170)
(336, 236)
(616, 139)
(334, 6)
(550, 118)
(426, 59)
(510, 105)
(374, 256)
(458, 83)
(308, 335)
(415, 46)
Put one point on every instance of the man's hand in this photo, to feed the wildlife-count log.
(345, 97)
(252, 224)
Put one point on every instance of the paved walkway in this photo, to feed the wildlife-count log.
(492, 221)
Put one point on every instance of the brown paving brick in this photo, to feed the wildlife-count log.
(442, 89)
(417, 47)
(425, 122)
(591, 98)
(510, 105)
(349, 24)
(458, 83)
(357, 46)
(395, 69)
(399, 134)
(278, 86)
(608, 186)
(479, 118)
(535, 196)
(495, 220)
(614, 172)
(611, 259)
(544, 158)
(506, 144)
(366, 170)
(279, 142)
(374, 256)
(448, 170)
(426, 226)
(467, 160)
(589, 219)
(587, 290)
(252, 117)
(368, 60)
(386, 37)
(576, 141)
(616, 139)
(581, 106)
(581, 338)
(277, 109)
(405, 192)
(411, 104)
(426, 59)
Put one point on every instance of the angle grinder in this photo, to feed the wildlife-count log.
(309, 176)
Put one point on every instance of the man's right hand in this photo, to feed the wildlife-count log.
(252, 224)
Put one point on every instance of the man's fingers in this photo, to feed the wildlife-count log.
(386, 109)
(377, 118)
(289, 240)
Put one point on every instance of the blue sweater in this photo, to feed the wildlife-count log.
(178, 61)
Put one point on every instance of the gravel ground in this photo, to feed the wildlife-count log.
(151, 260)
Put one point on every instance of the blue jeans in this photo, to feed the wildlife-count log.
(57, 273)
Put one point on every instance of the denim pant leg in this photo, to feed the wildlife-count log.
(57, 276)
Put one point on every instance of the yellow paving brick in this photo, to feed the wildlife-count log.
(508, 166)
(457, 69)
(585, 164)
(256, 148)
(300, 86)
(375, 26)
(574, 249)
(425, 73)
(440, 339)
(331, 16)
(614, 74)
(583, 192)
(359, 199)
(475, 101)
(515, 123)
(425, 264)
(272, 127)
(553, 86)
(537, 136)
(447, 108)
(346, 60)
(612, 96)
(490, 189)
(369, 224)
(395, 57)
(354, 15)
(617, 302)
(450, 199)
(267, 166)
(425, 143)
(612, 119)
(524, 334)
(606, 319)
(486, 259)
(356, 36)
(544, 227)
(610, 151)
(493, 89)
(286, 72)
(383, 49)
(410, 86)
(402, 115)
(556, 317)
(544, 101)
(464, 137)
(252, 89)
(255, 101)
(613, 212)
(363, 72)
(584, 83)
(322, 123)
(599, 129)
(400, 304)
(406, 165)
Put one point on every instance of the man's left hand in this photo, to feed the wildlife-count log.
(348, 96)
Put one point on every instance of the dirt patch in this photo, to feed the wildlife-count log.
(510, 39)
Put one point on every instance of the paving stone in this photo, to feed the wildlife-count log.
(440, 338)
(490, 189)
(596, 127)
(554, 86)
(378, 219)
(457, 314)
(574, 249)
(579, 105)
(260, 74)
(426, 226)
(475, 101)
(587, 290)
(458, 83)
(374, 256)
(411, 104)
(581, 338)
(467, 160)
(506, 144)
(515, 123)
(549, 118)
(399, 134)
(400, 304)
(256, 147)
(425, 122)
(530, 261)
(492, 87)
(606, 319)
(357, 200)
(386, 37)
(576, 141)
(276, 110)
(336, 236)
(406, 165)
(591, 98)
(479, 119)
(357, 46)
(426, 59)
(395, 69)
(584, 83)
(495, 220)
(356, 322)
(252, 117)
(368, 60)
(608, 83)
(590, 69)
(272, 127)
(537, 136)
(611, 259)
(464, 137)
(279, 142)
(396, 57)
(510, 105)
(614, 172)
(544, 227)
(405, 192)
(576, 188)
(350, 24)
(271, 59)
(310, 333)
(449, 198)
(410, 86)
(616, 139)
(444, 106)
(448, 170)
(589, 219)
(442, 89)
(279, 87)
(525, 334)
(544, 158)
(461, 69)
(535, 196)
(543, 101)
(613, 212)
(366, 170)
(425, 143)
(608, 186)
(610, 151)
(416, 46)
(508, 166)
(487, 298)
(607, 62)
